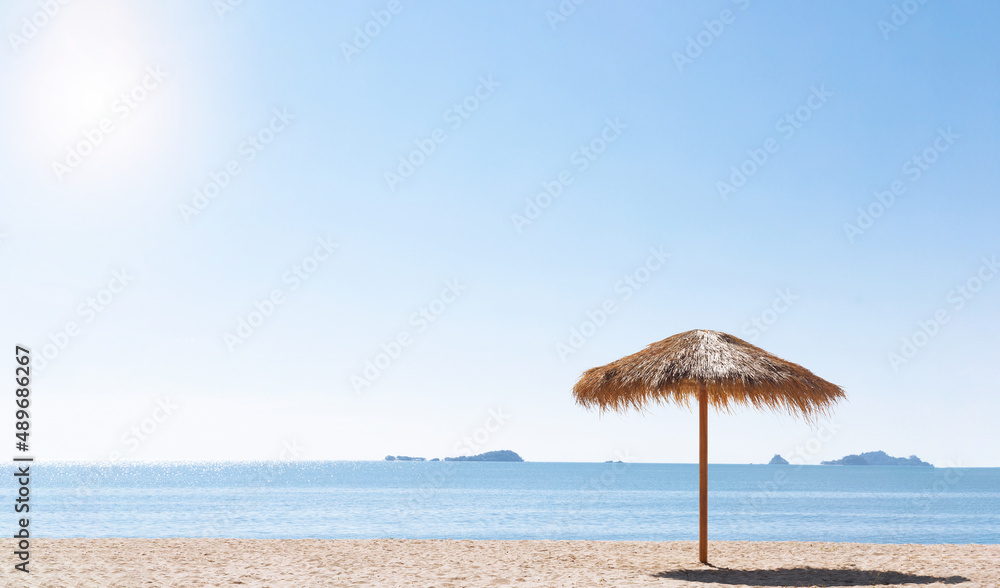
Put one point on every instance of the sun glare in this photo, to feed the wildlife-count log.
(83, 86)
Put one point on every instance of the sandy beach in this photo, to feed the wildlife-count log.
(66, 563)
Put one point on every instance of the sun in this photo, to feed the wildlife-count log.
(76, 78)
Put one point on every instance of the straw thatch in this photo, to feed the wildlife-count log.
(734, 372)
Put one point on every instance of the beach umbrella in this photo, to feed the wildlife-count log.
(716, 369)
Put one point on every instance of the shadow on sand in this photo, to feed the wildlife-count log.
(805, 576)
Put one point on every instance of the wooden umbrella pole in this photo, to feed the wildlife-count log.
(703, 474)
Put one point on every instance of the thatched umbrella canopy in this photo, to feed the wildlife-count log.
(715, 368)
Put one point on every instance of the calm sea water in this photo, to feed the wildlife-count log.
(513, 501)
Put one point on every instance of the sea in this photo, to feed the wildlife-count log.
(501, 500)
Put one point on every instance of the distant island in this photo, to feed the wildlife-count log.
(503, 455)
(777, 460)
(877, 458)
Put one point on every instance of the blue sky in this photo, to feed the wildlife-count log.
(463, 270)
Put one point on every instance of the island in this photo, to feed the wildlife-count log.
(877, 458)
(777, 460)
(503, 455)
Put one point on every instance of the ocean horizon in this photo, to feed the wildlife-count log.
(513, 500)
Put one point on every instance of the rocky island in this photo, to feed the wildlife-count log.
(877, 458)
(777, 460)
(503, 455)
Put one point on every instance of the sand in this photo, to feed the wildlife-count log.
(70, 563)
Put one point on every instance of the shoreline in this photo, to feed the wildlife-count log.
(431, 562)
(201, 462)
